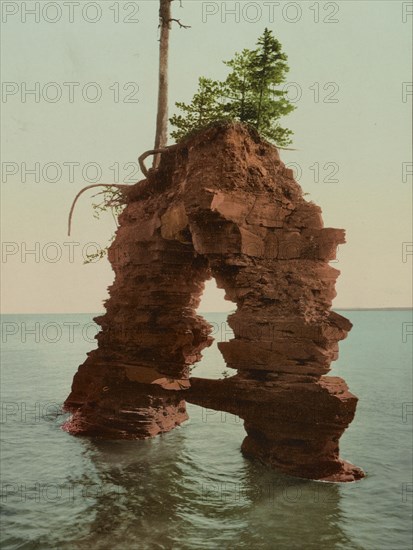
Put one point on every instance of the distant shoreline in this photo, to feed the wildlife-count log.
(373, 309)
(229, 311)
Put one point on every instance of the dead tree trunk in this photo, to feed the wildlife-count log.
(161, 136)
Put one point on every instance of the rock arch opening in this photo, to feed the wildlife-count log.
(215, 309)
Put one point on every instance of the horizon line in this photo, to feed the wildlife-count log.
(391, 308)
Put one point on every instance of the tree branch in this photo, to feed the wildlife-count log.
(182, 26)
(118, 185)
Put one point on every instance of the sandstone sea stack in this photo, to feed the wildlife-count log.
(222, 205)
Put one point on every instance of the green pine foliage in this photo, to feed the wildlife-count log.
(237, 91)
(204, 109)
(250, 94)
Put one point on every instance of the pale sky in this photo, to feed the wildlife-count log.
(351, 79)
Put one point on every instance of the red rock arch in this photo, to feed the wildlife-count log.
(222, 204)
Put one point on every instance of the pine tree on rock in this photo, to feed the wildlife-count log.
(249, 94)
(236, 91)
(268, 69)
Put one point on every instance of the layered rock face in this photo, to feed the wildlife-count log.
(222, 205)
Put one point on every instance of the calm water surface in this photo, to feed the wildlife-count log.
(192, 488)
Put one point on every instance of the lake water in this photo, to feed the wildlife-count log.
(192, 488)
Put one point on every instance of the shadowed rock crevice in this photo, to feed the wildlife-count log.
(222, 204)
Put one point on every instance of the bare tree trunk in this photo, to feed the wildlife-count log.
(161, 137)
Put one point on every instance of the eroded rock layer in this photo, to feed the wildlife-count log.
(223, 205)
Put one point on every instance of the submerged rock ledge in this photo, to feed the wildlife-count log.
(222, 205)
